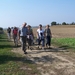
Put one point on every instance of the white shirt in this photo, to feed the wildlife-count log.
(40, 33)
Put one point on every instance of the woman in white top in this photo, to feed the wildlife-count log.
(41, 36)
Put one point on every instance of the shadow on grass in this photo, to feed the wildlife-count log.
(6, 58)
(3, 37)
(5, 46)
(5, 43)
(67, 47)
(4, 40)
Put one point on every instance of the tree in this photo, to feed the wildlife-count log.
(64, 23)
(73, 23)
(58, 24)
(53, 23)
(1, 28)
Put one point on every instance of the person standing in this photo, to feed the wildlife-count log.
(41, 36)
(23, 36)
(48, 36)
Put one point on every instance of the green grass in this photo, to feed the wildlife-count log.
(67, 43)
(14, 64)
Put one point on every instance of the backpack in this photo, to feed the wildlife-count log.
(15, 31)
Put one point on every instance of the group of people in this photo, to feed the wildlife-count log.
(13, 33)
(25, 35)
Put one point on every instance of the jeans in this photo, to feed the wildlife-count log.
(41, 40)
(29, 42)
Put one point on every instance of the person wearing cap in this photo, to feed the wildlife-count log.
(23, 36)
(41, 36)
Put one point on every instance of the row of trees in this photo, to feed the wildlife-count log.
(64, 23)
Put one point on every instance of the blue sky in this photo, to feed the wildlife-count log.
(35, 12)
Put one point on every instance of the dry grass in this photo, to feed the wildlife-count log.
(61, 31)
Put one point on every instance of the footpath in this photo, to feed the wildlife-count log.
(55, 61)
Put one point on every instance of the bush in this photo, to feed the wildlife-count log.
(64, 23)
(1, 30)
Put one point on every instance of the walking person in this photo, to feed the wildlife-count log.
(9, 33)
(23, 36)
(15, 35)
(48, 36)
(12, 32)
(41, 36)
(30, 37)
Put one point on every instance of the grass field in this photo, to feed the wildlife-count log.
(64, 36)
(14, 64)
(67, 43)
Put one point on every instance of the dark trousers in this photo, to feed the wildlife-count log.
(41, 40)
(23, 40)
(48, 40)
(29, 42)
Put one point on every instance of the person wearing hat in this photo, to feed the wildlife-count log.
(23, 35)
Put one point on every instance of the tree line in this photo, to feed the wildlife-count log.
(63, 23)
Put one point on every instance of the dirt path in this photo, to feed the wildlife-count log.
(55, 61)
